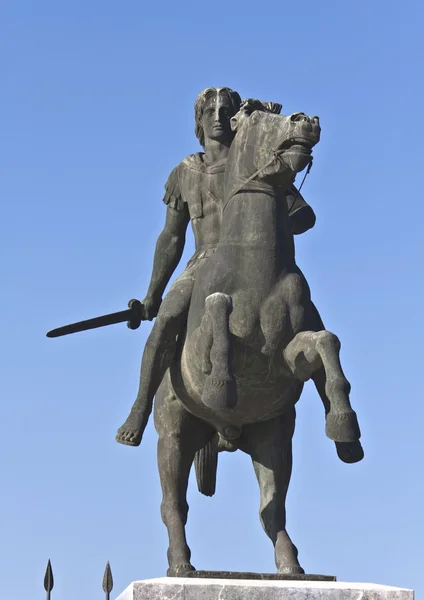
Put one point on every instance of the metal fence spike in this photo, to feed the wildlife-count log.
(107, 581)
(48, 579)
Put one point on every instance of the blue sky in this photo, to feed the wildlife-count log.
(96, 109)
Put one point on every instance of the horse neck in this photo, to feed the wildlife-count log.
(256, 224)
(255, 220)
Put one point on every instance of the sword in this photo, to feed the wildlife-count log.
(133, 315)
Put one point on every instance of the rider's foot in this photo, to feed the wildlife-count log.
(131, 432)
(350, 452)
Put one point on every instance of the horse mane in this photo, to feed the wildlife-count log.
(249, 105)
(273, 107)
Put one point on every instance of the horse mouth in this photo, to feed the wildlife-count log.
(301, 144)
(296, 152)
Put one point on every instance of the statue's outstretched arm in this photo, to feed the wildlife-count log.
(168, 252)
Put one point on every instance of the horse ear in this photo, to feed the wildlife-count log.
(239, 118)
(251, 104)
(234, 123)
(273, 107)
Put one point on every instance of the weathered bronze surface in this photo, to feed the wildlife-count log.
(237, 335)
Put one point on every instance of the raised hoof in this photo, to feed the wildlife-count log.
(291, 570)
(220, 394)
(342, 427)
(350, 452)
(180, 570)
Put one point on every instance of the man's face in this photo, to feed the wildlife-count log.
(216, 119)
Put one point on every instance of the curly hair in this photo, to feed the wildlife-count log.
(199, 105)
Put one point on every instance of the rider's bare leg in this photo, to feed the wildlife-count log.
(157, 358)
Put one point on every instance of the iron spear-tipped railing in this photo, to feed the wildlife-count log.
(48, 580)
(107, 583)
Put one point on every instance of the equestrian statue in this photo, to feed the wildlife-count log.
(237, 335)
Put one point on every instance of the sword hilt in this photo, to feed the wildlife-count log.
(137, 314)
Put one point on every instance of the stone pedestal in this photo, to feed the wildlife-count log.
(168, 588)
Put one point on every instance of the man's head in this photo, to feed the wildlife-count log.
(213, 110)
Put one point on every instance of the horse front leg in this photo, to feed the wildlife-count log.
(211, 345)
(270, 447)
(316, 355)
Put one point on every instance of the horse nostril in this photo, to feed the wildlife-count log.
(296, 117)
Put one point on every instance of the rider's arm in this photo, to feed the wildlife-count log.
(168, 252)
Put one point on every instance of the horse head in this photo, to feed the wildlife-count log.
(269, 147)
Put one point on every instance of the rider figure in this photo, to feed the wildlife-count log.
(194, 191)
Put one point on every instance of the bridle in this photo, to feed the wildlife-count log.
(275, 157)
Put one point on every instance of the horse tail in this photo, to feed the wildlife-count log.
(206, 464)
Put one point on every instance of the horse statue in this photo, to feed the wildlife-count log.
(251, 342)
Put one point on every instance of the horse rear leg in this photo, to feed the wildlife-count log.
(316, 355)
(270, 447)
(219, 390)
(181, 435)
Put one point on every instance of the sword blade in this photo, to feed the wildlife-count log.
(111, 319)
(133, 315)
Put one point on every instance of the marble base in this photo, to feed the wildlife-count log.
(170, 588)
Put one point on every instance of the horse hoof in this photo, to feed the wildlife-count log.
(350, 452)
(220, 394)
(291, 570)
(180, 570)
(342, 427)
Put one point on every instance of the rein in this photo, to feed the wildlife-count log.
(308, 170)
(274, 158)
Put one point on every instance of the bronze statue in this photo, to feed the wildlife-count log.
(237, 335)
(194, 191)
